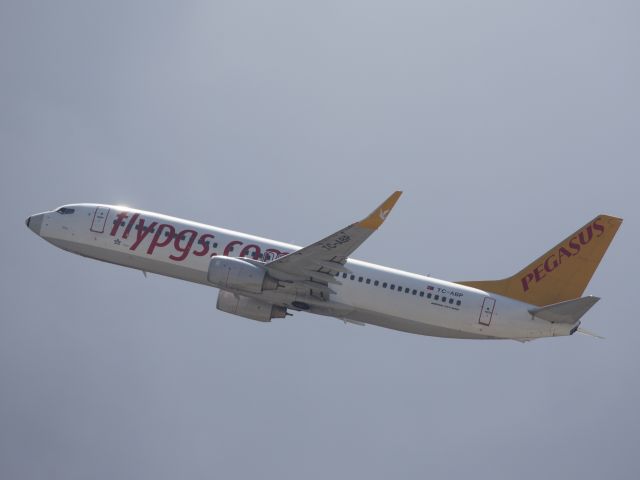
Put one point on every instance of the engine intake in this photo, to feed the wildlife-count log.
(236, 274)
(248, 307)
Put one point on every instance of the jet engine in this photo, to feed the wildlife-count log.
(249, 307)
(230, 273)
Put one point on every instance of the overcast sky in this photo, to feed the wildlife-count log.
(507, 124)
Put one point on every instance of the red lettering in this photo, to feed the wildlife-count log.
(550, 267)
(584, 241)
(526, 280)
(132, 221)
(142, 233)
(563, 252)
(271, 254)
(598, 227)
(230, 246)
(190, 236)
(119, 218)
(155, 240)
(205, 245)
(574, 245)
(247, 251)
(539, 273)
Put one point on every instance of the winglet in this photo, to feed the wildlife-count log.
(378, 216)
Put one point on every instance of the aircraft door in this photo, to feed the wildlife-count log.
(99, 219)
(487, 311)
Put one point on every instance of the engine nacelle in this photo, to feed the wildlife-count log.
(249, 307)
(236, 274)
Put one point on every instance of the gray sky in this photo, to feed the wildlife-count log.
(507, 124)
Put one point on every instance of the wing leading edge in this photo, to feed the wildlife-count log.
(316, 266)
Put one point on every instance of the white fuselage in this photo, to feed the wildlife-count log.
(369, 294)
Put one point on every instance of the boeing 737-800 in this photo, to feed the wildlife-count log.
(262, 279)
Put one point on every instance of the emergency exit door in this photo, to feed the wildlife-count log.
(99, 219)
(487, 311)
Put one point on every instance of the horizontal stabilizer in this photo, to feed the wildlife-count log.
(565, 312)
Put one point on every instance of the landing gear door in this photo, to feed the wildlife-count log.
(487, 311)
(99, 219)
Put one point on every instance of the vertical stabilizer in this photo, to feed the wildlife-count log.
(563, 272)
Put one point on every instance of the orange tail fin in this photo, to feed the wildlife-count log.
(563, 272)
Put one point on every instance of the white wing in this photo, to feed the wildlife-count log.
(316, 266)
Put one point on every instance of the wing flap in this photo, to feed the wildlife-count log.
(331, 266)
(321, 276)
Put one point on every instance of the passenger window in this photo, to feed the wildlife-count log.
(384, 285)
(392, 287)
(215, 245)
(368, 281)
(444, 299)
(399, 288)
(458, 302)
(344, 275)
(406, 290)
(437, 297)
(429, 295)
(376, 283)
(414, 292)
(422, 294)
(353, 277)
(450, 300)
(360, 279)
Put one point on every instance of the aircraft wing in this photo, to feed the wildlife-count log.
(317, 265)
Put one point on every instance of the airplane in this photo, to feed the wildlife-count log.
(263, 279)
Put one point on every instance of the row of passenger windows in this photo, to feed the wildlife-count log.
(400, 289)
(368, 281)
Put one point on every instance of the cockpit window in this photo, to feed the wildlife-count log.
(65, 210)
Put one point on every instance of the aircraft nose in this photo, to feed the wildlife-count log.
(34, 222)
